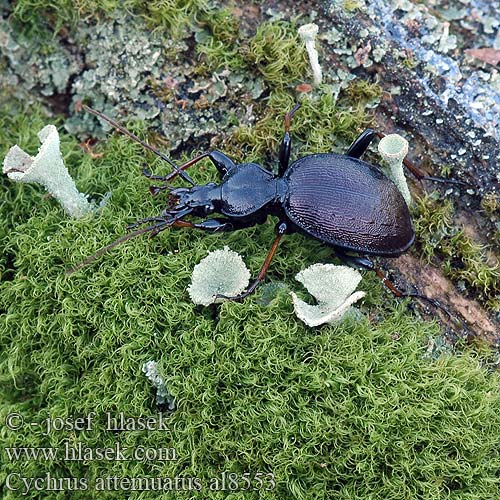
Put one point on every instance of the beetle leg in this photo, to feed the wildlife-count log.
(154, 190)
(366, 263)
(421, 175)
(286, 142)
(281, 229)
(222, 162)
(217, 224)
(214, 225)
(146, 173)
(360, 145)
(123, 130)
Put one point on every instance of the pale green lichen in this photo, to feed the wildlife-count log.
(221, 272)
(43, 66)
(163, 396)
(393, 148)
(333, 287)
(47, 168)
(308, 34)
(128, 80)
(149, 76)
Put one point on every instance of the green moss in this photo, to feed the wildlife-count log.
(246, 384)
(222, 48)
(278, 54)
(446, 170)
(349, 411)
(496, 234)
(351, 5)
(172, 15)
(463, 259)
(223, 25)
(363, 91)
(473, 268)
(176, 16)
(352, 410)
(490, 203)
(217, 55)
(275, 52)
(35, 16)
(433, 222)
(322, 124)
(410, 62)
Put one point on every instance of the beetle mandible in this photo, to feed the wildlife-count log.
(340, 200)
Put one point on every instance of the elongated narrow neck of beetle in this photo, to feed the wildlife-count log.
(201, 196)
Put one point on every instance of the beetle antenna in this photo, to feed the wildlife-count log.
(123, 130)
(459, 323)
(422, 176)
(105, 249)
(433, 302)
(154, 230)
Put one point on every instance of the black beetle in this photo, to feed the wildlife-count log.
(340, 200)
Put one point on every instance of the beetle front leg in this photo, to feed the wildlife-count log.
(213, 225)
(146, 173)
(281, 229)
(222, 162)
(216, 224)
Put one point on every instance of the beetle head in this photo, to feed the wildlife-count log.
(200, 200)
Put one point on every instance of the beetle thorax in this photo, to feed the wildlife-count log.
(246, 190)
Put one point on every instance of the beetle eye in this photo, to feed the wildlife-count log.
(209, 209)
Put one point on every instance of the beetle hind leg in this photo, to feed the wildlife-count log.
(360, 262)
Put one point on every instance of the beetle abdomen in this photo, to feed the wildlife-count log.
(348, 203)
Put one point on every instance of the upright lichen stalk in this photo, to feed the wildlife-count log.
(308, 33)
(393, 149)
